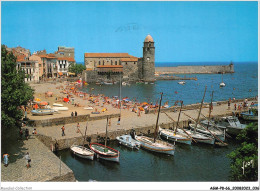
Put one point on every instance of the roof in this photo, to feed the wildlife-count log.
(47, 56)
(110, 66)
(148, 38)
(107, 55)
(67, 58)
(21, 58)
(132, 59)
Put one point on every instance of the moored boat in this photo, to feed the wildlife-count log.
(178, 136)
(201, 138)
(181, 82)
(219, 133)
(82, 152)
(233, 125)
(105, 152)
(57, 104)
(128, 141)
(158, 146)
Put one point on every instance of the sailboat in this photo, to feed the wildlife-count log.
(153, 144)
(105, 152)
(199, 137)
(175, 135)
(222, 84)
(82, 151)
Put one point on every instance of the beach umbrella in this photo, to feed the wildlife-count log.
(144, 103)
(36, 106)
(44, 103)
(141, 109)
(65, 99)
(37, 99)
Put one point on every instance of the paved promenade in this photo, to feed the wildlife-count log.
(45, 166)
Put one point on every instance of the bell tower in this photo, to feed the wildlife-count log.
(148, 68)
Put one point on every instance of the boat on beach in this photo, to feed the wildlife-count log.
(57, 104)
(128, 141)
(181, 82)
(60, 108)
(41, 112)
(88, 108)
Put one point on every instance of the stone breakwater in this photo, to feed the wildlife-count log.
(217, 69)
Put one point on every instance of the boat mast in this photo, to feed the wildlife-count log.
(200, 110)
(210, 107)
(106, 133)
(84, 138)
(156, 126)
(178, 118)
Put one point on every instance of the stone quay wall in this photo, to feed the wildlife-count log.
(196, 69)
(68, 120)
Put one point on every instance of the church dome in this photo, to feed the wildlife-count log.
(148, 38)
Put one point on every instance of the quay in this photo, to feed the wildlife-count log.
(164, 77)
(145, 124)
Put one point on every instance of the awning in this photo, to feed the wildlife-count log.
(70, 73)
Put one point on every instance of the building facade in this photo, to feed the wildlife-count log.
(113, 66)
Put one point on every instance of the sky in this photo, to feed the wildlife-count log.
(182, 31)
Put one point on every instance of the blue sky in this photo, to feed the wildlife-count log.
(182, 31)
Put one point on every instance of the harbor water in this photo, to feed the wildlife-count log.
(241, 84)
(196, 162)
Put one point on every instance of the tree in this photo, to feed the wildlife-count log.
(15, 92)
(244, 160)
(77, 68)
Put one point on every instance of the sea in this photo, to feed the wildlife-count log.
(190, 163)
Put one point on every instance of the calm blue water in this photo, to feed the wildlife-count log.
(243, 83)
(197, 162)
(190, 163)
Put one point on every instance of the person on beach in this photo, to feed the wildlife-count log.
(63, 131)
(76, 114)
(6, 159)
(235, 106)
(21, 133)
(118, 122)
(28, 159)
(34, 132)
(78, 128)
(27, 134)
(72, 114)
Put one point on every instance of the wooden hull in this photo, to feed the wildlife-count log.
(201, 138)
(234, 130)
(82, 152)
(159, 146)
(217, 133)
(105, 152)
(248, 117)
(178, 137)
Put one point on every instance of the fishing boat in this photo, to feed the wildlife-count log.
(41, 112)
(209, 123)
(82, 152)
(57, 104)
(178, 136)
(153, 144)
(108, 83)
(60, 108)
(181, 82)
(128, 141)
(220, 134)
(124, 83)
(88, 108)
(233, 125)
(251, 114)
(105, 152)
(199, 137)
(222, 84)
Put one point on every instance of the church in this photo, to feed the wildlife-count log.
(110, 67)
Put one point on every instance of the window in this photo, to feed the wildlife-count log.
(125, 63)
(115, 62)
(99, 62)
(103, 62)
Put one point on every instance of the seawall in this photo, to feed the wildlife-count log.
(216, 69)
